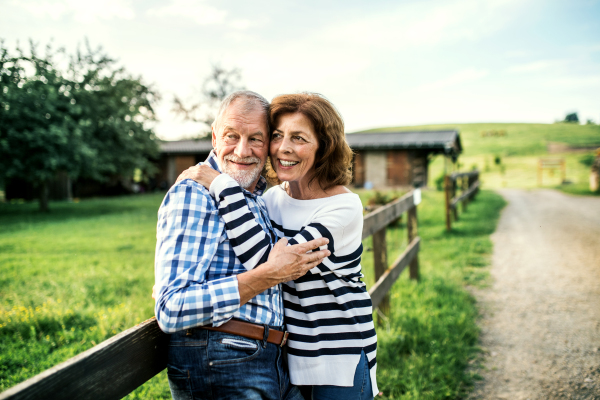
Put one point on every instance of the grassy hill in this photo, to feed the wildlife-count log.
(518, 147)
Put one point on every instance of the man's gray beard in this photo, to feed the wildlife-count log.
(244, 178)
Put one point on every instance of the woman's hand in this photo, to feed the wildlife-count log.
(203, 174)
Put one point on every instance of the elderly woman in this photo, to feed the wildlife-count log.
(328, 312)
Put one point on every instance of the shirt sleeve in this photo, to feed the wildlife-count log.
(249, 240)
(338, 223)
(189, 231)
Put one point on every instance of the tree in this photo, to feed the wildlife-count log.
(114, 111)
(572, 117)
(38, 136)
(218, 85)
(88, 122)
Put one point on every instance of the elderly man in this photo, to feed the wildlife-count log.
(226, 320)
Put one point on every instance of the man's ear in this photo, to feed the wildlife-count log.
(214, 137)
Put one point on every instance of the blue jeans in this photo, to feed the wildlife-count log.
(215, 365)
(362, 389)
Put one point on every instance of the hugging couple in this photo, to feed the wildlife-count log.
(262, 293)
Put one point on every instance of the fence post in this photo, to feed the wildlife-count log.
(447, 189)
(381, 264)
(411, 225)
(465, 180)
(455, 208)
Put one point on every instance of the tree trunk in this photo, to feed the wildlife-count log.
(44, 196)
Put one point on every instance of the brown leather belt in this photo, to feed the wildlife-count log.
(251, 331)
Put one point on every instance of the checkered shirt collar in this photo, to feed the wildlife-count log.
(261, 185)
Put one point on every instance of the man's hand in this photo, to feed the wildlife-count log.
(285, 263)
(203, 174)
(154, 293)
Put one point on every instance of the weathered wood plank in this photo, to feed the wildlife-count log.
(464, 195)
(108, 371)
(381, 264)
(412, 231)
(381, 217)
(383, 285)
(457, 175)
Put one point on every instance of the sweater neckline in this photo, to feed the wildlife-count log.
(311, 202)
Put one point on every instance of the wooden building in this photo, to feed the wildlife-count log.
(382, 159)
(177, 156)
(399, 159)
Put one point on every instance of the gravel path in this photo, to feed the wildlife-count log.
(541, 316)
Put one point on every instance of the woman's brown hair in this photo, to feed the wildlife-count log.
(333, 160)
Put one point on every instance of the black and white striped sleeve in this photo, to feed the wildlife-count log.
(252, 245)
(250, 242)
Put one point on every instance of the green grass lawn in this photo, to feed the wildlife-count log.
(76, 276)
(519, 151)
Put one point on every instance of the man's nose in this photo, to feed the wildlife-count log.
(242, 149)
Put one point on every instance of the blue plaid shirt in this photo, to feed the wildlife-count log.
(195, 266)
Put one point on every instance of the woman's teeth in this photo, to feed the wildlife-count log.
(288, 163)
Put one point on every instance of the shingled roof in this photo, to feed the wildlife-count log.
(186, 146)
(438, 141)
(447, 142)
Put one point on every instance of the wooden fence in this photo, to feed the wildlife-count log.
(468, 184)
(117, 366)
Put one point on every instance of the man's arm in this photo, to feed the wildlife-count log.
(188, 234)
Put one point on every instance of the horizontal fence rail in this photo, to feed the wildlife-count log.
(110, 370)
(468, 183)
(117, 366)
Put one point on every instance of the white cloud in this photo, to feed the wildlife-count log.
(81, 11)
(426, 23)
(196, 10)
(464, 76)
(535, 66)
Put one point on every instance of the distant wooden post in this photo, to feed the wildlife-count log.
(411, 225)
(454, 209)
(448, 197)
(381, 264)
(465, 186)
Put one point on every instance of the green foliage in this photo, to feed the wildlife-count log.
(439, 181)
(587, 159)
(572, 118)
(88, 120)
(382, 198)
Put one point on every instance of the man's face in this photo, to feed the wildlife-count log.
(241, 143)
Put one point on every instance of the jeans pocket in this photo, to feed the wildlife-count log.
(232, 349)
(179, 383)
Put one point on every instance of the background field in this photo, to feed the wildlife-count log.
(82, 273)
(519, 151)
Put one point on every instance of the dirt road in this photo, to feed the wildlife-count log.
(541, 316)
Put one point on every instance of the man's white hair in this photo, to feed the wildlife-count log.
(250, 100)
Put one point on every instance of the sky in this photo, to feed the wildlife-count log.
(382, 63)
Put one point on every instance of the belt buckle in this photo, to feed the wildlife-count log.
(284, 339)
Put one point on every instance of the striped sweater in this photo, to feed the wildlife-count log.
(328, 311)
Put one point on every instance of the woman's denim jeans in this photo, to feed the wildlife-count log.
(215, 365)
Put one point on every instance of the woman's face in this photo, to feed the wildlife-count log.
(294, 145)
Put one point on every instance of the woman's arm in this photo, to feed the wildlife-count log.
(340, 224)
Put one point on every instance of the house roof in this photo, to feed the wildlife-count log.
(186, 146)
(447, 142)
(437, 141)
